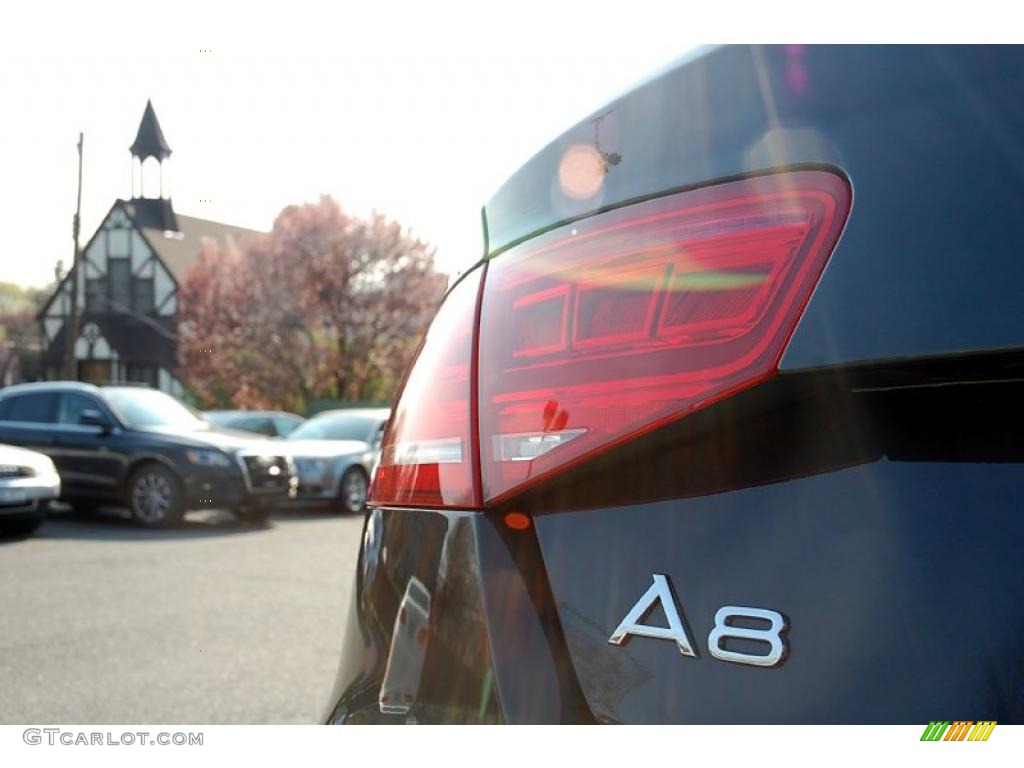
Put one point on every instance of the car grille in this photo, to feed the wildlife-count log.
(266, 473)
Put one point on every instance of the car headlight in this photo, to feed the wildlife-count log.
(207, 458)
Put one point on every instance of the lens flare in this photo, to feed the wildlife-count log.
(581, 171)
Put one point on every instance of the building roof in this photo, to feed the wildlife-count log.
(179, 250)
(150, 141)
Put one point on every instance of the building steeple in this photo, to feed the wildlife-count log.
(150, 141)
(151, 147)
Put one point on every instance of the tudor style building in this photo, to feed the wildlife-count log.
(129, 274)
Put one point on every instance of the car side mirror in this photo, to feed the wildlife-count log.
(93, 418)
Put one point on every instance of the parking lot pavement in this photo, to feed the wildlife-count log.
(213, 622)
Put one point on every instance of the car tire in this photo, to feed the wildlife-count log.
(155, 497)
(352, 490)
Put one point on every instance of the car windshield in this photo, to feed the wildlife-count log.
(337, 427)
(217, 419)
(150, 408)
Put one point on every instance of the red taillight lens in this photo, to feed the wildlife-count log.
(429, 454)
(604, 329)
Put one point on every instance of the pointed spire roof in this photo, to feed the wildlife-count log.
(150, 141)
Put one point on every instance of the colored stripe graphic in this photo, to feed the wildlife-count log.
(934, 730)
(958, 730)
(982, 730)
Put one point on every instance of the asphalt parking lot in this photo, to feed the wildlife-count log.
(214, 622)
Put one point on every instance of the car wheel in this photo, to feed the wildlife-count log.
(352, 490)
(155, 497)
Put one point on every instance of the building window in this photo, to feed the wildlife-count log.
(119, 292)
(119, 272)
(142, 294)
(96, 295)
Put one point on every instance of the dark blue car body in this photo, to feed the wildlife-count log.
(870, 493)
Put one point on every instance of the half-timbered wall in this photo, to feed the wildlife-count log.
(119, 275)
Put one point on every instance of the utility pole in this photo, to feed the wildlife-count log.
(71, 328)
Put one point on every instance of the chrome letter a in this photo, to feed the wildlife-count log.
(660, 591)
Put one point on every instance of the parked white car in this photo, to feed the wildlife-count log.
(28, 483)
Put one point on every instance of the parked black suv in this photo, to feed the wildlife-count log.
(142, 448)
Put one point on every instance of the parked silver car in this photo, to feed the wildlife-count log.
(268, 423)
(28, 483)
(334, 453)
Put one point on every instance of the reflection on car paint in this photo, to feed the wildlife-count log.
(408, 646)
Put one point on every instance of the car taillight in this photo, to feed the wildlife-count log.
(429, 456)
(607, 328)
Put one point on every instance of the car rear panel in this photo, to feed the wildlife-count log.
(868, 493)
(901, 589)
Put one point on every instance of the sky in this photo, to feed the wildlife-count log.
(417, 111)
(416, 108)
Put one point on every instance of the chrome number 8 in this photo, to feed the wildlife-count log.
(773, 635)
